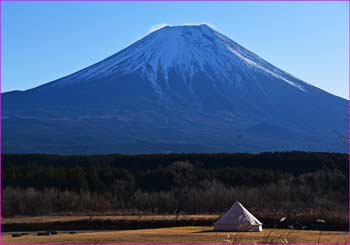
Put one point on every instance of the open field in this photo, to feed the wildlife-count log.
(112, 221)
(67, 218)
(190, 235)
(104, 222)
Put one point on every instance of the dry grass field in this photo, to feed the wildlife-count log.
(190, 235)
(120, 232)
(67, 218)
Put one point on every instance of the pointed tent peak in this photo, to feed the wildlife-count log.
(238, 214)
(239, 204)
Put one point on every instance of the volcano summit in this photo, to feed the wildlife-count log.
(179, 89)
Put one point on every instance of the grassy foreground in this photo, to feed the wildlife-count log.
(110, 221)
(189, 235)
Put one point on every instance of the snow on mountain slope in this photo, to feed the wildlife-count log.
(190, 50)
(179, 89)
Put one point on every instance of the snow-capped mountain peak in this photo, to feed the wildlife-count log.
(178, 89)
(188, 49)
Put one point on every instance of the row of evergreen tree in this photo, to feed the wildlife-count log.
(43, 184)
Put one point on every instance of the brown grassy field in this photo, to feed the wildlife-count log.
(190, 235)
(145, 229)
(111, 221)
(67, 218)
(103, 222)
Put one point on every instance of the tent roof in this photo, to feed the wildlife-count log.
(238, 214)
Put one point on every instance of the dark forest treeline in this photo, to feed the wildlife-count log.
(290, 182)
(295, 162)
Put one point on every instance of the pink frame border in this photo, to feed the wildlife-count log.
(348, 112)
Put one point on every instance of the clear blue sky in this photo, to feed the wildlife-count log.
(44, 41)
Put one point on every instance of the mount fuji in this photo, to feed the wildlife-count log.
(179, 89)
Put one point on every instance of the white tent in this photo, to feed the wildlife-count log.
(237, 218)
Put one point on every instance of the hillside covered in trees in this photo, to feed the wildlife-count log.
(285, 182)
